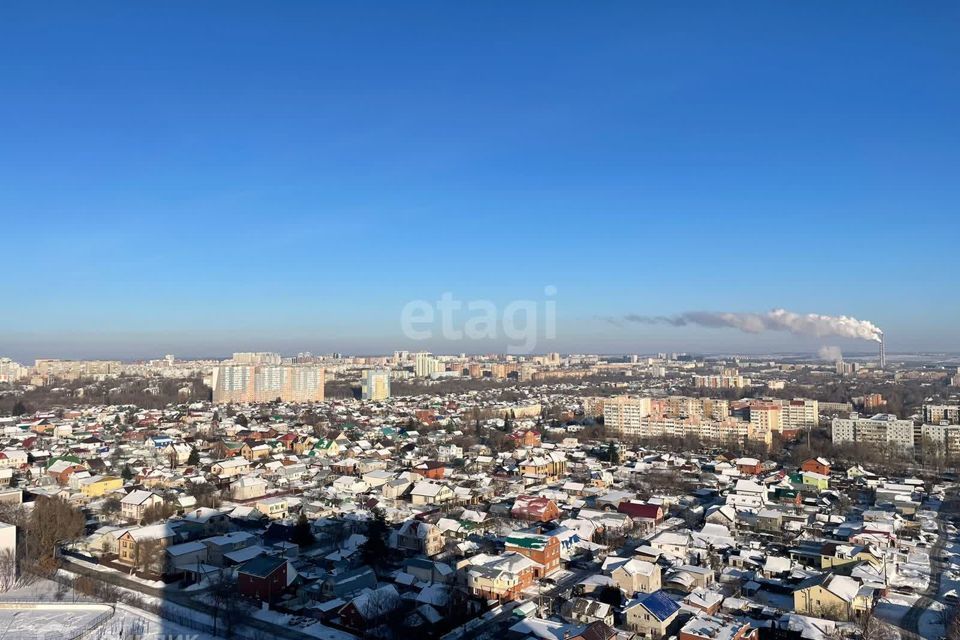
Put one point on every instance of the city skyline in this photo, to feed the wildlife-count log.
(319, 168)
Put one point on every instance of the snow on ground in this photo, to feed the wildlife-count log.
(781, 601)
(157, 584)
(896, 605)
(130, 623)
(41, 623)
(41, 590)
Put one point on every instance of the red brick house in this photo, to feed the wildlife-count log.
(542, 549)
(431, 470)
(528, 438)
(749, 466)
(61, 470)
(535, 509)
(642, 511)
(425, 416)
(816, 465)
(287, 440)
(265, 578)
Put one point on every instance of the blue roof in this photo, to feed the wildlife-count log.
(659, 605)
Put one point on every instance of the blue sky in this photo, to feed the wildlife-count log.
(199, 178)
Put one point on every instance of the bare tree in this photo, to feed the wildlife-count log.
(871, 627)
(228, 608)
(8, 570)
(150, 556)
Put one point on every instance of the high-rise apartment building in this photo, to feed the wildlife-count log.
(76, 369)
(425, 365)
(11, 371)
(937, 413)
(622, 415)
(767, 415)
(879, 431)
(256, 357)
(375, 384)
(628, 417)
(722, 381)
(265, 383)
(945, 437)
(784, 415)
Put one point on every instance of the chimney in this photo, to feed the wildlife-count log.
(883, 354)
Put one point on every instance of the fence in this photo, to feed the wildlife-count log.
(48, 605)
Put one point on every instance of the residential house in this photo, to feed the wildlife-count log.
(230, 468)
(134, 504)
(651, 615)
(144, 547)
(501, 577)
(707, 627)
(420, 537)
(547, 467)
(218, 546)
(830, 595)
(248, 488)
(543, 550)
(370, 608)
(274, 508)
(534, 509)
(265, 578)
(430, 493)
(635, 576)
(587, 611)
(97, 486)
(673, 543)
(816, 465)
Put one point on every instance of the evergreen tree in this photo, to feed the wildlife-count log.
(194, 458)
(302, 533)
(374, 550)
(613, 453)
(126, 473)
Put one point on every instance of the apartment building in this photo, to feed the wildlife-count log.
(256, 357)
(879, 430)
(946, 437)
(785, 415)
(721, 381)
(689, 407)
(265, 383)
(11, 371)
(425, 365)
(629, 417)
(375, 384)
(767, 415)
(937, 413)
(624, 415)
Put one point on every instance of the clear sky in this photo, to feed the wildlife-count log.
(198, 178)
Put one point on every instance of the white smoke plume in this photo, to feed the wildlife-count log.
(830, 354)
(809, 324)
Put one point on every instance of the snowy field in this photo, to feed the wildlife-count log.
(21, 624)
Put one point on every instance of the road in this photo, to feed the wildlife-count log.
(911, 621)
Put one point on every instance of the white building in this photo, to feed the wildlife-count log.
(879, 430)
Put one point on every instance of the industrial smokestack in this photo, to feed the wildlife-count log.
(883, 354)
